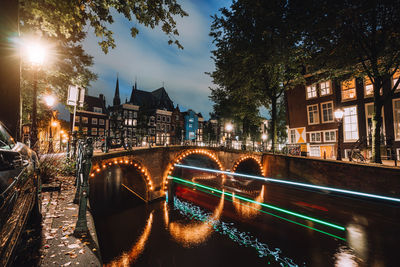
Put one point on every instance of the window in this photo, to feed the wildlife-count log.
(327, 111)
(369, 111)
(163, 118)
(125, 113)
(158, 117)
(168, 127)
(134, 123)
(396, 118)
(77, 118)
(395, 78)
(168, 119)
(101, 131)
(135, 114)
(349, 89)
(94, 131)
(94, 121)
(330, 136)
(313, 114)
(293, 136)
(85, 130)
(315, 137)
(177, 117)
(158, 126)
(325, 88)
(311, 91)
(130, 114)
(368, 87)
(101, 121)
(173, 128)
(350, 124)
(398, 154)
(85, 120)
(98, 110)
(315, 151)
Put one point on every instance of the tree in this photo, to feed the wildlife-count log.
(257, 57)
(63, 25)
(358, 38)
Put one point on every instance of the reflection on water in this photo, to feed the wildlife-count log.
(127, 258)
(228, 229)
(195, 233)
(248, 210)
(345, 258)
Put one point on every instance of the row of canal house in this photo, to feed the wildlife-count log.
(147, 117)
(313, 130)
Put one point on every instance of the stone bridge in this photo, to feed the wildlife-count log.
(154, 164)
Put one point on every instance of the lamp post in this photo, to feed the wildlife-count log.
(263, 137)
(36, 56)
(339, 118)
(229, 128)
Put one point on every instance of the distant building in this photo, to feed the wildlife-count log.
(200, 128)
(177, 129)
(92, 120)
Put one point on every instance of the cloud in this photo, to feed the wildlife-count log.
(149, 58)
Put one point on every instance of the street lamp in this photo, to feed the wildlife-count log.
(49, 100)
(339, 118)
(263, 137)
(229, 128)
(36, 55)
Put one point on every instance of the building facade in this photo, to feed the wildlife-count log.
(313, 130)
(92, 120)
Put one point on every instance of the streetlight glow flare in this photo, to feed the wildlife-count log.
(339, 114)
(49, 100)
(36, 53)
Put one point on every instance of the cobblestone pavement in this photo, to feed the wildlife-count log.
(60, 247)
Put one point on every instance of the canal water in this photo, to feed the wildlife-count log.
(215, 220)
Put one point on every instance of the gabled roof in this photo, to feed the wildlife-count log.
(93, 101)
(158, 99)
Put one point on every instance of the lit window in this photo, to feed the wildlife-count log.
(85, 120)
(330, 136)
(98, 110)
(327, 112)
(101, 121)
(292, 136)
(395, 78)
(349, 89)
(315, 137)
(315, 151)
(76, 118)
(101, 131)
(94, 131)
(313, 114)
(368, 87)
(311, 91)
(396, 118)
(325, 88)
(85, 130)
(94, 121)
(350, 124)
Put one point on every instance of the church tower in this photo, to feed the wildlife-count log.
(117, 100)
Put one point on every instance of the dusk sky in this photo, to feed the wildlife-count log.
(150, 59)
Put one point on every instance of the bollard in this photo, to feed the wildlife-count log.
(87, 153)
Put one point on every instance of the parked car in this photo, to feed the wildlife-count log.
(19, 192)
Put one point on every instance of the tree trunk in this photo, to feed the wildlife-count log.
(376, 131)
(273, 128)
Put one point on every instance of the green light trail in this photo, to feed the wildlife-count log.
(272, 214)
(263, 204)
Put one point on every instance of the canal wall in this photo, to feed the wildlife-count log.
(369, 178)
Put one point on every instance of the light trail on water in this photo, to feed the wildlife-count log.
(332, 189)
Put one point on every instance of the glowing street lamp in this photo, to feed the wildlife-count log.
(35, 56)
(229, 128)
(49, 100)
(263, 138)
(339, 118)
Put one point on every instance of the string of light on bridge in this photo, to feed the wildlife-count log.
(140, 167)
(273, 180)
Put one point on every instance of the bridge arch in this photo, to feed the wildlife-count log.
(126, 162)
(183, 154)
(250, 161)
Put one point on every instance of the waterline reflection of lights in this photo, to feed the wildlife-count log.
(250, 210)
(127, 258)
(195, 233)
(345, 258)
(228, 229)
(275, 208)
(332, 189)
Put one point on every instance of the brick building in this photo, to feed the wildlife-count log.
(313, 129)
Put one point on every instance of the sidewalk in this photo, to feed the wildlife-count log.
(60, 247)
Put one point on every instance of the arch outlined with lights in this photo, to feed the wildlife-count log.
(125, 161)
(248, 157)
(183, 155)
